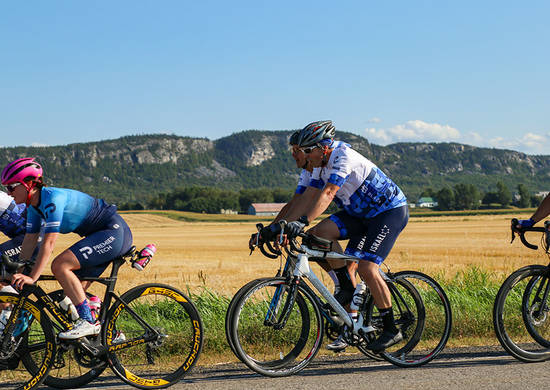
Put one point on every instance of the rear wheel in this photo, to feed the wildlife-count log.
(422, 312)
(26, 354)
(154, 336)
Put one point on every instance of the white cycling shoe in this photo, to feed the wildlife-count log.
(81, 328)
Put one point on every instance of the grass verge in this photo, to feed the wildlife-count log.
(471, 293)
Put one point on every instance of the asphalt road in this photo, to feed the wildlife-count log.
(469, 368)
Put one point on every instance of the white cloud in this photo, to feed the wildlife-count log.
(420, 131)
(414, 131)
(530, 143)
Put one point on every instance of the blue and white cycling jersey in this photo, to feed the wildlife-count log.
(365, 191)
(12, 216)
(305, 177)
(65, 211)
(303, 181)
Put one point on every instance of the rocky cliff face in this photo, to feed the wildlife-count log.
(126, 166)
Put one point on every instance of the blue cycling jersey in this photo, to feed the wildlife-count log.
(65, 211)
(365, 191)
(12, 216)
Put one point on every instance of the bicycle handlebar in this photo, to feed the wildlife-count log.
(522, 230)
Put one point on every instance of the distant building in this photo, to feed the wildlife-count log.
(426, 202)
(541, 194)
(265, 208)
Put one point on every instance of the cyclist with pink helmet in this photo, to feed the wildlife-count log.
(105, 236)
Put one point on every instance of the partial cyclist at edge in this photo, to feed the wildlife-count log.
(105, 236)
(540, 213)
(12, 224)
(304, 195)
(373, 213)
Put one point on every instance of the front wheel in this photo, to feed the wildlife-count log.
(277, 328)
(28, 352)
(154, 336)
(519, 314)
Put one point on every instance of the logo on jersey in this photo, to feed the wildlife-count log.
(86, 251)
(50, 208)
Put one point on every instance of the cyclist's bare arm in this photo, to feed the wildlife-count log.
(287, 208)
(321, 202)
(28, 245)
(543, 210)
(44, 254)
(303, 203)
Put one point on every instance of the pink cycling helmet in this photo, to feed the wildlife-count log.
(20, 169)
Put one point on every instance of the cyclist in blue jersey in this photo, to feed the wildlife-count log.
(105, 236)
(374, 212)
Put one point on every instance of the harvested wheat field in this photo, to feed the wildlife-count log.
(215, 255)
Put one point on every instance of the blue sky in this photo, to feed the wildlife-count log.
(475, 72)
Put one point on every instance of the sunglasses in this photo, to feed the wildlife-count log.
(11, 187)
(308, 150)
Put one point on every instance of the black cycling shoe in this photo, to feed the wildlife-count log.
(385, 340)
(344, 297)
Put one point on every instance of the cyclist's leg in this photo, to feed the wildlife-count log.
(373, 245)
(89, 257)
(335, 228)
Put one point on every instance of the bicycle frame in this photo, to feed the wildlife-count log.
(303, 269)
(51, 307)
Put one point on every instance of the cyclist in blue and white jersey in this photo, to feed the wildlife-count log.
(12, 224)
(374, 212)
(105, 236)
(304, 194)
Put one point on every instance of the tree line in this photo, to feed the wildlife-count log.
(212, 200)
(468, 197)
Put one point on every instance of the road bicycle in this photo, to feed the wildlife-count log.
(521, 309)
(332, 324)
(276, 325)
(151, 336)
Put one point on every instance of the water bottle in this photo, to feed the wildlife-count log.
(358, 296)
(68, 306)
(144, 257)
(95, 306)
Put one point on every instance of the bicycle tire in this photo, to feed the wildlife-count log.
(508, 316)
(230, 309)
(423, 314)
(66, 372)
(38, 341)
(535, 310)
(270, 351)
(178, 330)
